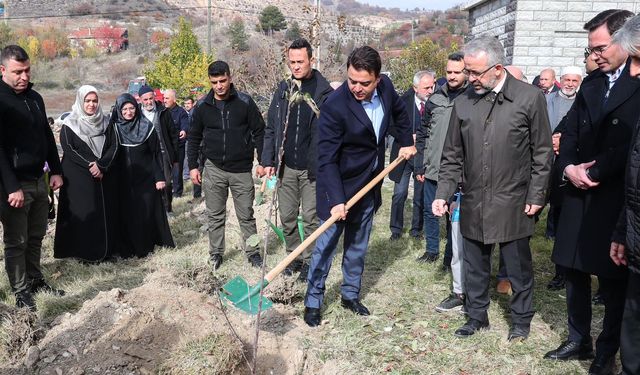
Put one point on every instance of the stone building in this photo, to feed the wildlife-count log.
(539, 34)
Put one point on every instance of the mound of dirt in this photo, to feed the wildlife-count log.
(138, 331)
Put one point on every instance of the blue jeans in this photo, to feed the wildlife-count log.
(431, 222)
(357, 229)
(400, 193)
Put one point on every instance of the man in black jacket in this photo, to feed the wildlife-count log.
(180, 119)
(26, 143)
(415, 99)
(232, 128)
(593, 151)
(297, 170)
(167, 131)
(625, 247)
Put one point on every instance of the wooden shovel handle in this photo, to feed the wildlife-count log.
(313, 236)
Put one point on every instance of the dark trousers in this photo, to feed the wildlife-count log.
(477, 266)
(400, 193)
(24, 228)
(178, 181)
(357, 229)
(578, 286)
(630, 333)
(431, 222)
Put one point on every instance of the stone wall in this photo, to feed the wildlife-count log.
(539, 34)
(494, 18)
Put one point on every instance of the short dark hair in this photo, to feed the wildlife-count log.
(613, 18)
(218, 68)
(188, 98)
(456, 56)
(300, 44)
(365, 58)
(13, 52)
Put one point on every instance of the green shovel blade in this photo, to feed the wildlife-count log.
(243, 296)
(277, 231)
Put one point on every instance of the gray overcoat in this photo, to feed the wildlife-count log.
(502, 149)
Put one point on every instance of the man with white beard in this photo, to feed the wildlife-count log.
(559, 102)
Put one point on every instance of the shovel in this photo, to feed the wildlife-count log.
(260, 195)
(247, 298)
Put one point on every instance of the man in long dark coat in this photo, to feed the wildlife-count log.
(625, 248)
(499, 141)
(593, 151)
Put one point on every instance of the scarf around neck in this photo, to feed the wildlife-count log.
(131, 132)
(89, 128)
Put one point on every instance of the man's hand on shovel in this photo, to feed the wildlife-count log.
(407, 152)
(340, 210)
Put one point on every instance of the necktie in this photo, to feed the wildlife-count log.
(421, 109)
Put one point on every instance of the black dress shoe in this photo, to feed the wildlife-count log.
(40, 285)
(518, 333)
(292, 268)
(428, 258)
(557, 283)
(255, 260)
(602, 365)
(355, 306)
(216, 261)
(25, 300)
(471, 327)
(312, 316)
(395, 236)
(571, 350)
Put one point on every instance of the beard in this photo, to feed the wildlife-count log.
(486, 87)
(569, 92)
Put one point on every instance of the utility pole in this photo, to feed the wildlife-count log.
(209, 28)
(317, 23)
(412, 25)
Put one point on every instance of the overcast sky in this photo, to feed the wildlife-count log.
(412, 4)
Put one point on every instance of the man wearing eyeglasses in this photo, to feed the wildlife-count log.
(593, 152)
(499, 142)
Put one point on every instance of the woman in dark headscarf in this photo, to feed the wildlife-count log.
(87, 209)
(143, 221)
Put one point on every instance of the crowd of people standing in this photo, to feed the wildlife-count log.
(491, 152)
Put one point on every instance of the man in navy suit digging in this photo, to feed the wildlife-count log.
(352, 127)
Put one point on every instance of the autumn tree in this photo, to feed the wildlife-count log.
(272, 19)
(294, 31)
(183, 66)
(237, 35)
(421, 55)
(6, 35)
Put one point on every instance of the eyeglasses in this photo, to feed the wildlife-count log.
(596, 50)
(476, 74)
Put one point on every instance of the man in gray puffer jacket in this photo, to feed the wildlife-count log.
(429, 143)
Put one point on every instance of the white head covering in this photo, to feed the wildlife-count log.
(90, 129)
(572, 70)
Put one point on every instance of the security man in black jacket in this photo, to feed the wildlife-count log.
(231, 127)
(297, 170)
(26, 143)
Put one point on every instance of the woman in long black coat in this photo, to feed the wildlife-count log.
(87, 211)
(143, 221)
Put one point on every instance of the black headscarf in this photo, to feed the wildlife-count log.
(131, 132)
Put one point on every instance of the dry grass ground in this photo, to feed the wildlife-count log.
(404, 335)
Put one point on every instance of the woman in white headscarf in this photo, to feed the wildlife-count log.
(87, 226)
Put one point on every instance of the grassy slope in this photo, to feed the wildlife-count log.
(404, 336)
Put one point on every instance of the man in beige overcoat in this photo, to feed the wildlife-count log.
(499, 142)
